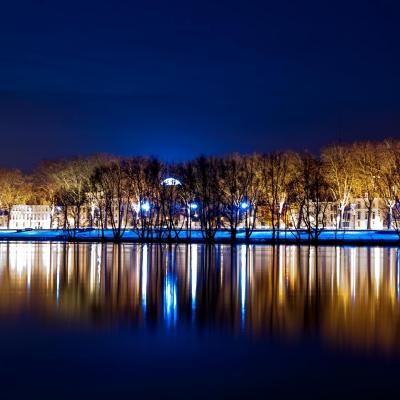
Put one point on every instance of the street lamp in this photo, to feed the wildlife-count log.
(145, 206)
(193, 206)
(244, 205)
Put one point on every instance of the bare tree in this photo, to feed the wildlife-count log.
(46, 185)
(99, 195)
(13, 190)
(172, 203)
(314, 195)
(112, 181)
(275, 181)
(187, 173)
(367, 174)
(145, 177)
(252, 192)
(296, 195)
(77, 179)
(233, 181)
(209, 194)
(66, 185)
(389, 182)
(339, 175)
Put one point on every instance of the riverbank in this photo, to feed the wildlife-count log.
(384, 237)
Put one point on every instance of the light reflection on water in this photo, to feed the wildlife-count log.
(344, 296)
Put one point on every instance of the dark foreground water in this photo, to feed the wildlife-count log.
(104, 321)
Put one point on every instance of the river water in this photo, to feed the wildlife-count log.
(95, 320)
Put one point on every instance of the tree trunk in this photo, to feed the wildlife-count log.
(51, 216)
(65, 216)
(300, 217)
(278, 225)
(389, 217)
(78, 217)
(341, 216)
(369, 217)
(233, 235)
(8, 217)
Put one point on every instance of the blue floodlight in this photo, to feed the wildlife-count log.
(244, 205)
(194, 206)
(145, 206)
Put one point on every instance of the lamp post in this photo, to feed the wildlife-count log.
(245, 207)
(193, 206)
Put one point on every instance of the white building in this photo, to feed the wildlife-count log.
(355, 215)
(30, 216)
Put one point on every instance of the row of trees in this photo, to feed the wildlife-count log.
(296, 190)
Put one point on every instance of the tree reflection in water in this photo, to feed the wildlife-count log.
(345, 296)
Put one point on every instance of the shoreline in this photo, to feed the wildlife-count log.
(261, 236)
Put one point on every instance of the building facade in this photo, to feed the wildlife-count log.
(30, 216)
(355, 215)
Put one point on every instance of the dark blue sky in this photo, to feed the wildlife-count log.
(176, 79)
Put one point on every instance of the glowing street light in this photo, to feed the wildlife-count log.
(244, 205)
(145, 206)
(194, 206)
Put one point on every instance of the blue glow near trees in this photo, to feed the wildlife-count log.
(244, 205)
(194, 206)
(145, 206)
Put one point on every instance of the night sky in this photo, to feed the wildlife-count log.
(176, 79)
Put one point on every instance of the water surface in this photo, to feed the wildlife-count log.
(92, 320)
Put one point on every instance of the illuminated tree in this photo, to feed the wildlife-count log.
(312, 193)
(366, 174)
(45, 184)
(154, 173)
(276, 175)
(114, 191)
(209, 194)
(172, 206)
(252, 192)
(389, 182)
(233, 181)
(187, 173)
(145, 177)
(296, 195)
(387, 153)
(13, 190)
(76, 182)
(340, 176)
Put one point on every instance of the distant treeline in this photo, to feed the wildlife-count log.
(235, 191)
